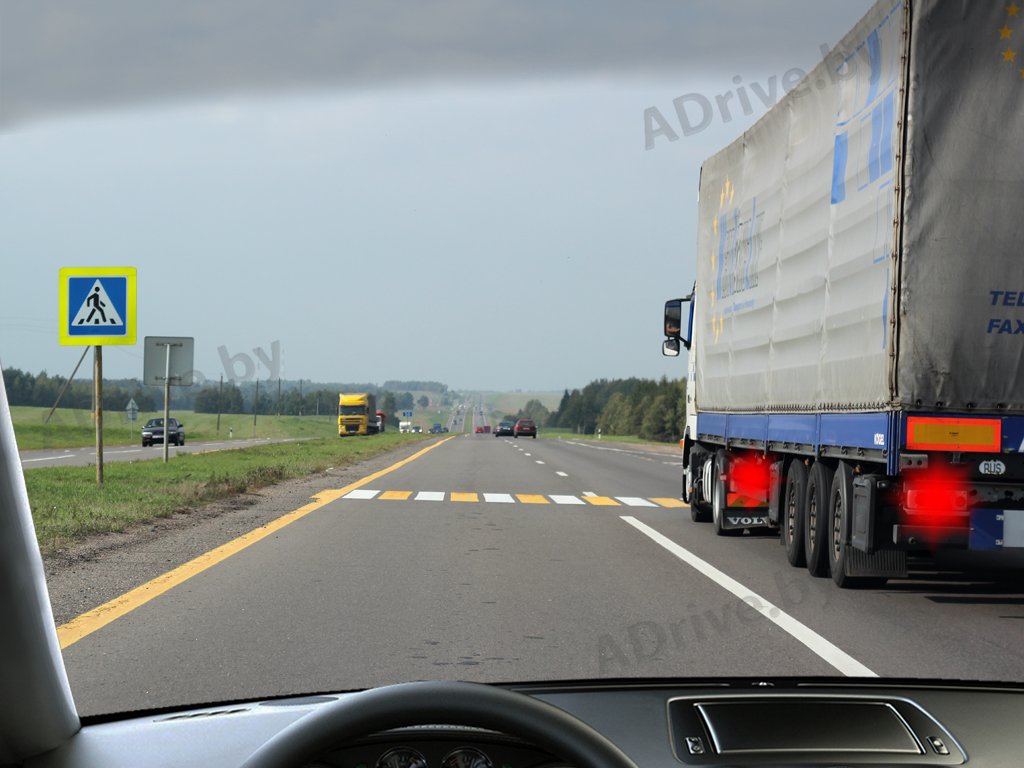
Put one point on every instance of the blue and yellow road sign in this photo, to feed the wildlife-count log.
(97, 306)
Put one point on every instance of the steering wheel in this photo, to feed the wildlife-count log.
(436, 703)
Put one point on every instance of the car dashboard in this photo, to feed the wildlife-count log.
(669, 723)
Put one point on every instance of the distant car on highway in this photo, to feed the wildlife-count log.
(417, 429)
(153, 432)
(525, 428)
(504, 428)
(437, 429)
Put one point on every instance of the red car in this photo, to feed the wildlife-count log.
(525, 428)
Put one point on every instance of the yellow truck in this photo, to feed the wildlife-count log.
(357, 414)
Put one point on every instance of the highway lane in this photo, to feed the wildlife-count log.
(501, 559)
(71, 457)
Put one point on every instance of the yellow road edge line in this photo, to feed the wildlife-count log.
(85, 624)
(601, 501)
(459, 496)
(670, 502)
(532, 498)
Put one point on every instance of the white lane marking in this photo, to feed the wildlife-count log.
(527, 454)
(361, 493)
(538, 461)
(132, 450)
(50, 458)
(638, 453)
(635, 501)
(500, 498)
(430, 496)
(832, 654)
(561, 474)
(566, 500)
(589, 493)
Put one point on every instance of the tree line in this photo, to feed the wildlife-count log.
(292, 398)
(41, 390)
(645, 408)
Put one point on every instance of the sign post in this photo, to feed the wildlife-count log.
(96, 307)
(132, 409)
(168, 360)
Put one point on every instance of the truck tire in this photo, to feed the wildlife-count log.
(816, 518)
(839, 522)
(718, 494)
(791, 523)
(700, 511)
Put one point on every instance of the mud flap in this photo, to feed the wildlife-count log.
(889, 563)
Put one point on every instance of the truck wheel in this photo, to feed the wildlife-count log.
(839, 522)
(700, 511)
(792, 520)
(816, 519)
(718, 495)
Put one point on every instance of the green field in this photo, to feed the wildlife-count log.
(73, 428)
(68, 506)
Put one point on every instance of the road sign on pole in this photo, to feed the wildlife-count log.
(96, 306)
(407, 414)
(176, 354)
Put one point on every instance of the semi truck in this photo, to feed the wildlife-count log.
(855, 328)
(357, 414)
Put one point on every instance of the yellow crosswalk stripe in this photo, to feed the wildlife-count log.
(670, 502)
(457, 496)
(601, 501)
(532, 498)
(396, 495)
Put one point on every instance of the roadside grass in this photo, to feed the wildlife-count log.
(68, 506)
(73, 427)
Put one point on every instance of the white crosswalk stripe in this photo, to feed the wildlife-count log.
(430, 496)
(501, 498)
(567, 500)
(635, 501)
(361, 493)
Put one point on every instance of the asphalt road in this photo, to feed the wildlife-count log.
(70, 457)
(513, 560)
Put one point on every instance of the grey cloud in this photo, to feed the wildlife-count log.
(59, 56)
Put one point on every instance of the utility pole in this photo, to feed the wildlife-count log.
(255, 407)
(220, 394)
(278, 395)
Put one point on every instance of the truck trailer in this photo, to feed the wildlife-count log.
(856, 325)
(357, 414)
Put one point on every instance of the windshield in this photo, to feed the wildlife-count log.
(285, 202)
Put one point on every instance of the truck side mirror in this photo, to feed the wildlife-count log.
(674, 325)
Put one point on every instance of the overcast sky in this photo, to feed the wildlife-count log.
(459, 191)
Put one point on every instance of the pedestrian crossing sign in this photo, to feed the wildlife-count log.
(97, 305)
